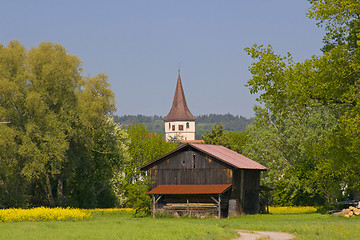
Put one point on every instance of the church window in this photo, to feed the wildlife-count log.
(187, 125)
(173, 127)
(169, 125)
(181, 127)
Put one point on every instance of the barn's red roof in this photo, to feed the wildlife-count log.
(228, 156)
(190, 189)
(179, 110)
(221, 153)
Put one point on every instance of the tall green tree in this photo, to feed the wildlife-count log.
(60, 148)
(293, 147)
(329, 83)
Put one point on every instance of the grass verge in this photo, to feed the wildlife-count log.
(122, 225)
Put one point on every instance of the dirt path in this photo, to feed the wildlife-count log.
(262, 235)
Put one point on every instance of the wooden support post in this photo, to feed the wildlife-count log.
(155, 200)
(242, 185)
(242, 192)
(153, 206)
(219, 206)
(218, 202)
(187, 207)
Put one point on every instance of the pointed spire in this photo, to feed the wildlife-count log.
(179, 110)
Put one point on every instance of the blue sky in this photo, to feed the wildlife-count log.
(139, 44)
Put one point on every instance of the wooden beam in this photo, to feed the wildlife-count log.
(214, 199)
(218, 203)
(242, 177)
(187, 207)
(158, 199)
(155, 200)
(219, 206)
(153, 206)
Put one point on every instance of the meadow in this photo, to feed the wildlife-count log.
(113, 225)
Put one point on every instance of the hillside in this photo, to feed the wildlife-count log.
(203, 122)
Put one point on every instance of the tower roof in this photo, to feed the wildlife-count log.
(179, 110)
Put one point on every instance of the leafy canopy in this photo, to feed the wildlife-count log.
(309, 130)
(232, 140)
(61, 146)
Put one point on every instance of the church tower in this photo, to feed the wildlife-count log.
(179, 123)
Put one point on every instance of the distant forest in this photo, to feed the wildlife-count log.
(203, 122)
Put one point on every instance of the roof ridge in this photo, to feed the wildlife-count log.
(247, 161)
(240, 161)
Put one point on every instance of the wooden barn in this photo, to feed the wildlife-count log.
(201, 179)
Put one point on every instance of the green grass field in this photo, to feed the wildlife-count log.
(121, 225)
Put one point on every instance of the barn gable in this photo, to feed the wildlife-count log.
(221, 154)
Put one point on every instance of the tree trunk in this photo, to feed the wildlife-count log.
(50, 197)
(60, 193)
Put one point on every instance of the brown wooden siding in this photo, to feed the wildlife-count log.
(190, 167)
(245, 188)
(251, 191)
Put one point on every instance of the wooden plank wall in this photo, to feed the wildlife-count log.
(251, 188)
(245, 188)
(190, 167)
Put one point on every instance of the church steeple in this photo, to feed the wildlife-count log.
(179, 110)
(179, 123)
